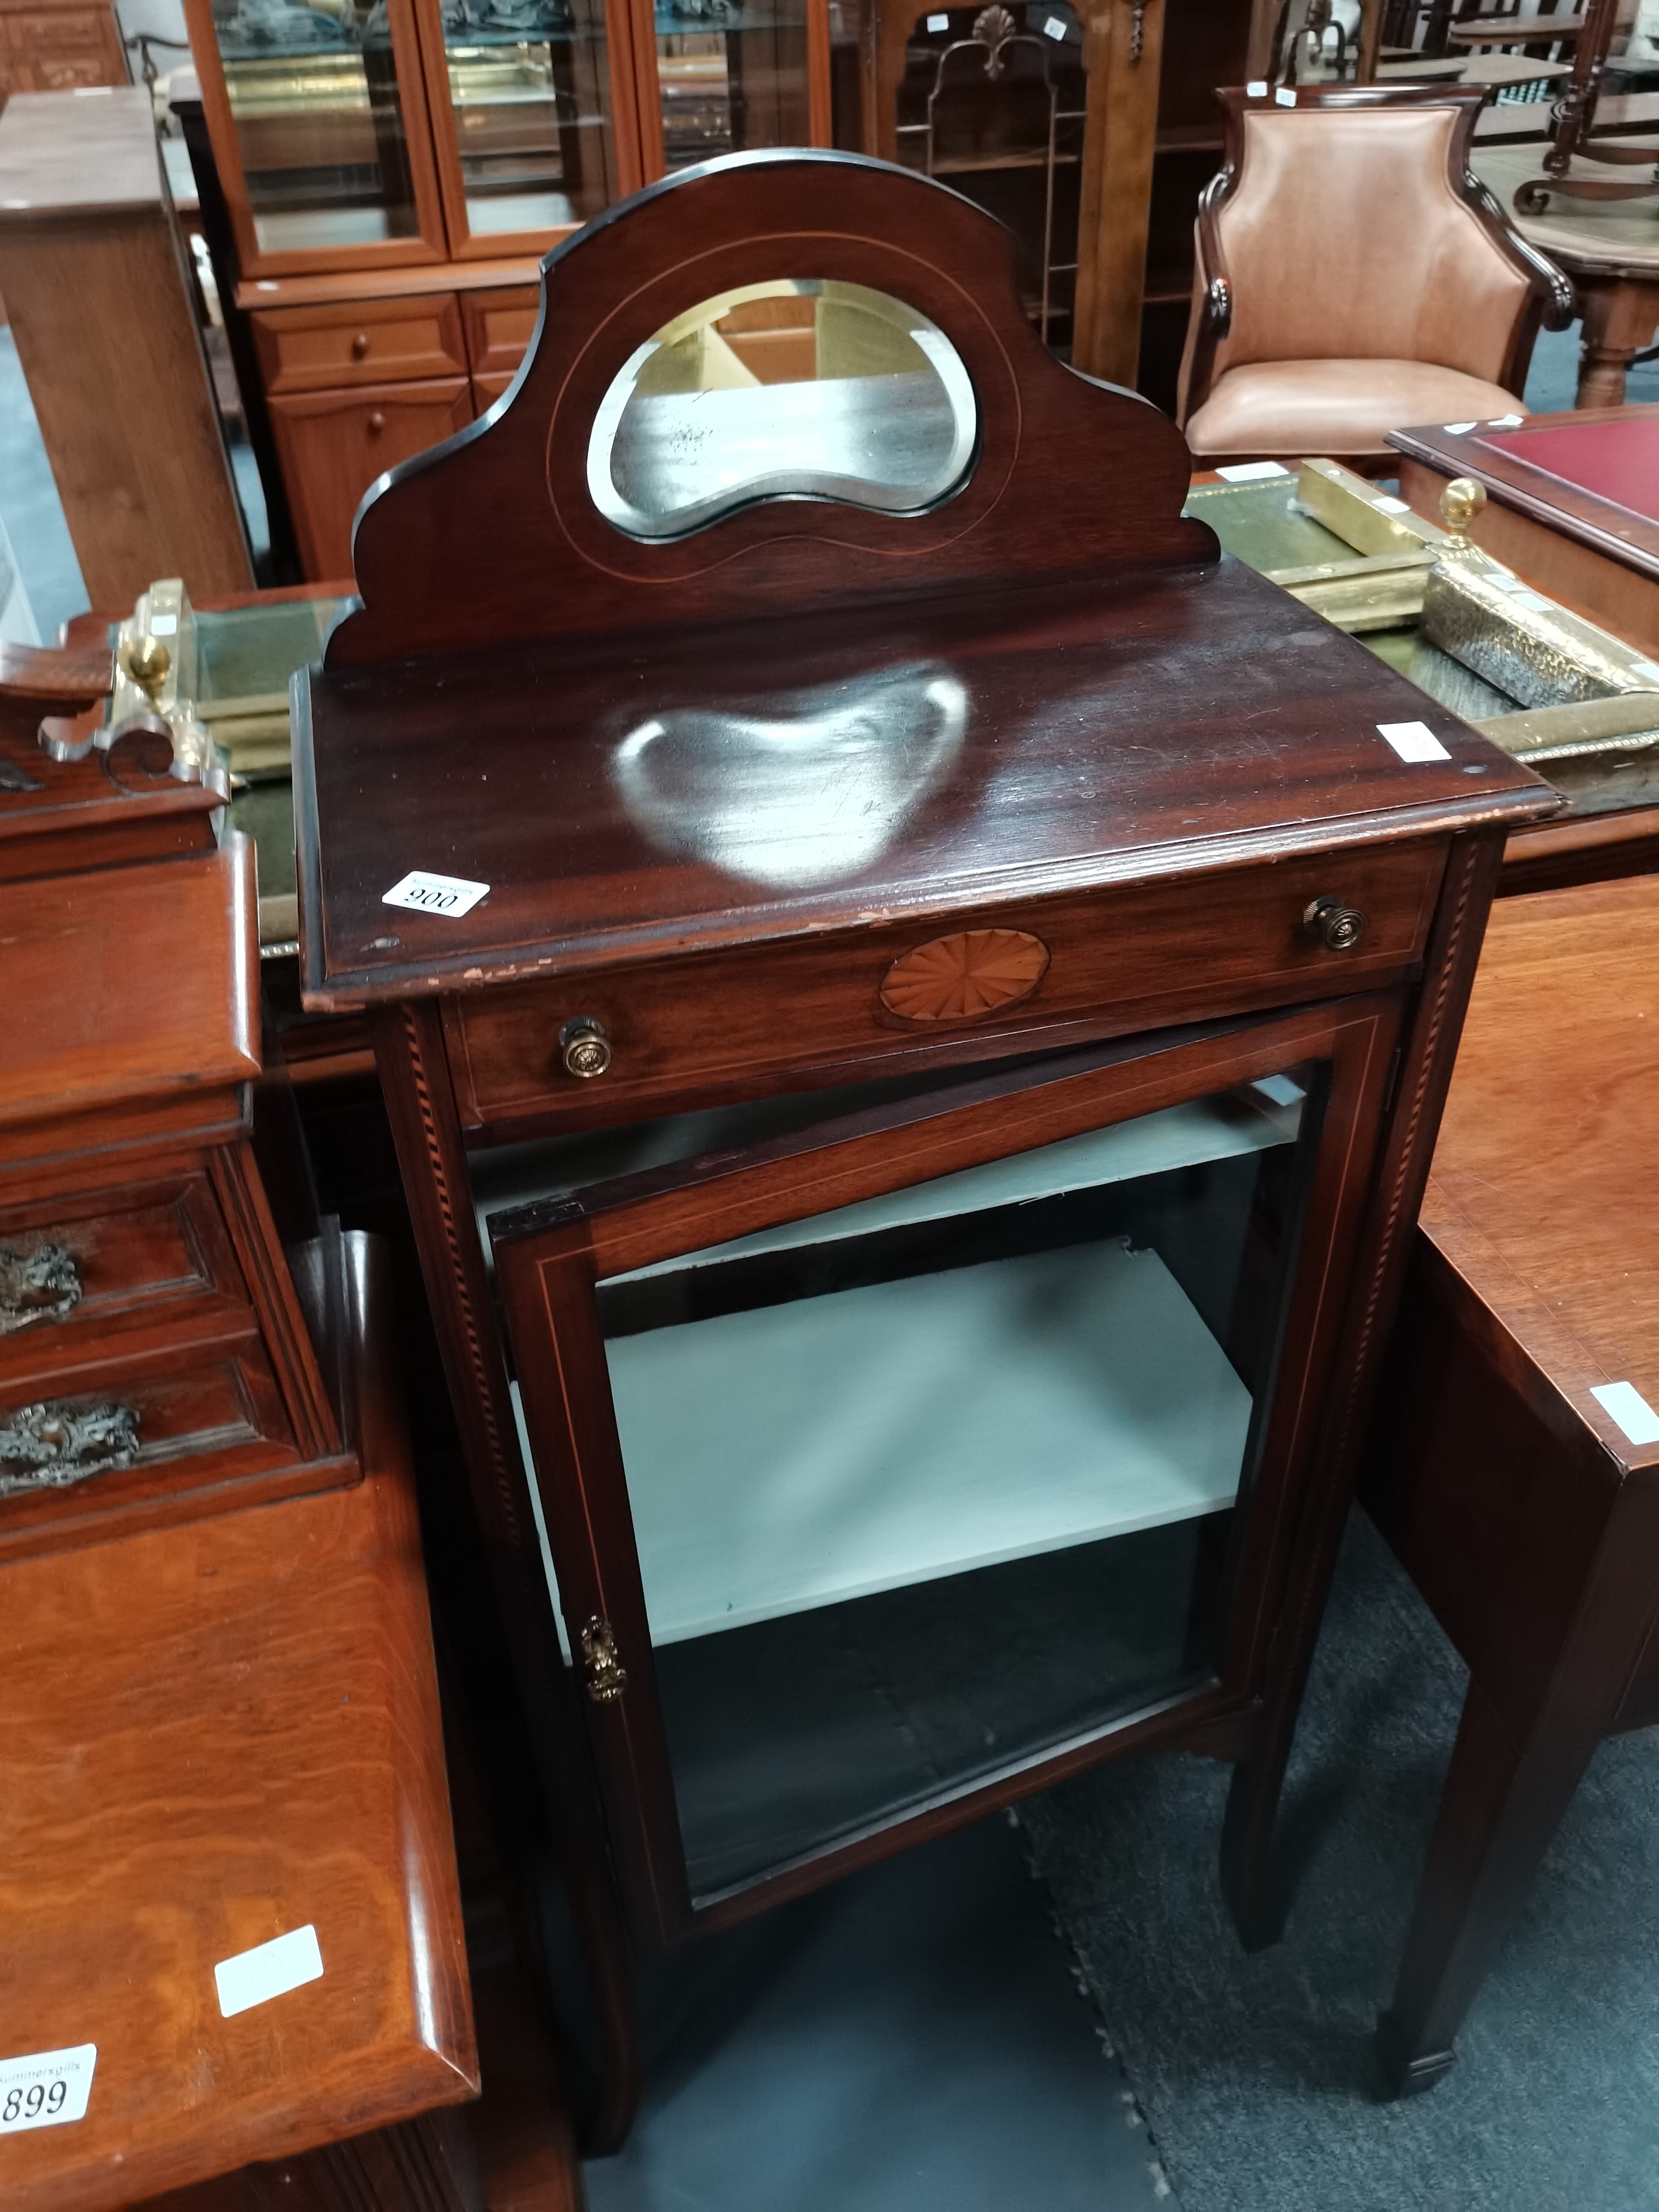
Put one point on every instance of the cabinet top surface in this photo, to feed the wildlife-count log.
(644, 796)
(63, 153)
(795, 585)
(1546, 1170)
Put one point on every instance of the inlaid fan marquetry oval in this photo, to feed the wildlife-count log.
(960, 977)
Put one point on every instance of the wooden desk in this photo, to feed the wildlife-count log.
(1526, 1516)
(1609, 249)
(229, 1731)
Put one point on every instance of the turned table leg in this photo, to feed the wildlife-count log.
(1620, 315)
(1500, 1807)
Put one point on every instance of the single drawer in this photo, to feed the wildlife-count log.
(998, 981)
(72, 1268)
(158, 1434)
(363, 342)
(499, 326)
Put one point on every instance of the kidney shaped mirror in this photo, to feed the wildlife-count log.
(801, 388)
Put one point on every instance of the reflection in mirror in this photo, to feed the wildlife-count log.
(802, 388)
(811, 793)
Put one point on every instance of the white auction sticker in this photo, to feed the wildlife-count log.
(1252, 472)
(269, 1969)
(1285, 97)
(1412, 741)
(1506, 421)
(1648, 668)
(939, 22)
(1055, 27)
(1385, 503)
(47, 2089)
(1629, 1409)
(1257, 87)
(422, 892)
(1457, 429)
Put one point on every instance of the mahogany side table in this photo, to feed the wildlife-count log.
(1514, 1465)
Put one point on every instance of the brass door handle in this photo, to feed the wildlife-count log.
(603, 1672)
(1338, 928)
(585, 1047)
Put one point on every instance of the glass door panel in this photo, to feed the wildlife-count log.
(927, 1486)
(526, 84)
(732, 75)
(318, 116)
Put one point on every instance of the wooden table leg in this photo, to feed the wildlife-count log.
(1501, 1804)
(1620, 315)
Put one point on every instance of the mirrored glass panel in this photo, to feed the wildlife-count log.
(320, 122)
(931, 1483)
(530, 94)
(731, 74)
(802, 388)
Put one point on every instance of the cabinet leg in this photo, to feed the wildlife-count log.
(1501, 1804)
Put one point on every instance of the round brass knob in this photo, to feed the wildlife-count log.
(359, 345)
(1338, 928)
(147, 661)
(1460, 502)
(585, 1047)
(377, 421)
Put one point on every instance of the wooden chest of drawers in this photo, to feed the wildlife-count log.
(154, 1364)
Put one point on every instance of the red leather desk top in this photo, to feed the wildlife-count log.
(1618, 461)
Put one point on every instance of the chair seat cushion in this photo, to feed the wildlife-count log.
(1276, 408)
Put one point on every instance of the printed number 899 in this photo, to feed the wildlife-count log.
(28, 2104)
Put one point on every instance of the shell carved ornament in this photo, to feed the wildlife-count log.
(964, 977)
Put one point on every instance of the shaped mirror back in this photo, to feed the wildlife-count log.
(799, 388)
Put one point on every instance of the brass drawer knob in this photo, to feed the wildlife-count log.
(1338, 928)
(360, 346)
(50, 1445)
(585, 1047)
(35, 1286)
(603, 1672)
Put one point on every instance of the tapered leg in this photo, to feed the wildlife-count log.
(1503, 1799)
(1619, 316)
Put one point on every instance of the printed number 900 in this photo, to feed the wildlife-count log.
(28, 2104)
(429, 895)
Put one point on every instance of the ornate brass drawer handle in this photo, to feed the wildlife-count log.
(585, 1047)
(48, 1446)
(603, 1671)
(1338, 928)
(38, 1286)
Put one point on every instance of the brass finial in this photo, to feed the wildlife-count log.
(1460, 502)
(147, 661)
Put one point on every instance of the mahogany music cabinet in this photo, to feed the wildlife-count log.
(915, 998)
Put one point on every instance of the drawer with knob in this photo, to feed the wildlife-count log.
(594, 1047)
(359, 341)
(152, 1433)
(72, 1269)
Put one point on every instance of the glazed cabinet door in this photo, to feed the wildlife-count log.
(726, 76)
(533, 114)
(320, 133)
(899, 1452)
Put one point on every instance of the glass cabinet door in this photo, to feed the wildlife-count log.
(523, 106)
(324, 108)
(923, 1488)
(728, 75)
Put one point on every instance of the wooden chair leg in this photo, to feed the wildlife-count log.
(1500, 1807)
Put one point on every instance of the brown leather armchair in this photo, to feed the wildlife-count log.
(1353, 278)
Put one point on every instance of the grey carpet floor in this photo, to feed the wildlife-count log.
(1254, 2073)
